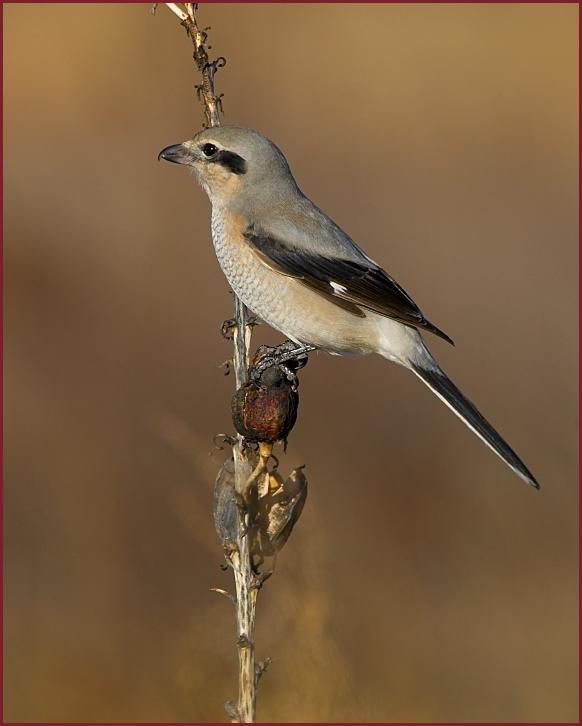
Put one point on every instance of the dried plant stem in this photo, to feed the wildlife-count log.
(247, 584)
(210, 101)
(244, 577)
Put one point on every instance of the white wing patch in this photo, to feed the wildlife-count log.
(338, 288)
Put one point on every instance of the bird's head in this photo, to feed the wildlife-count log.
(230, 162)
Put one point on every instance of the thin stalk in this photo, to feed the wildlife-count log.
(246, 583)
(244, 578)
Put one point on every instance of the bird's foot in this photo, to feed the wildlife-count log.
(288, 356)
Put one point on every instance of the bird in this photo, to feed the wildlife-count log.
(299, 272)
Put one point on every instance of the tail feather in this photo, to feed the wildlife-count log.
(445, 389)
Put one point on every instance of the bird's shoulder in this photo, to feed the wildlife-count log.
(304, 226)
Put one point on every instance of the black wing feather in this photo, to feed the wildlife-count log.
(356, 284)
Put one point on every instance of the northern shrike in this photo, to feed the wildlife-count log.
(300, 273)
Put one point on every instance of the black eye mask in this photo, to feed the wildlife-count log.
(231, 161)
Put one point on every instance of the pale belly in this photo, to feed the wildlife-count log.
(288, 305)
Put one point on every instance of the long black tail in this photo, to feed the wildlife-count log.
(441, 385)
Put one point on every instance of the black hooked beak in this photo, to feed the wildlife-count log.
(177, 154)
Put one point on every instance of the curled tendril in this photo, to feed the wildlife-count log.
(220, 62)
(221, 439)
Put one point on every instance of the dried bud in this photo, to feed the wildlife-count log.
(266, 410)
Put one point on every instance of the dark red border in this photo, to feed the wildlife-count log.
(2, 383)
(529, 2)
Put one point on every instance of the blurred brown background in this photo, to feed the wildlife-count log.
(424, 581)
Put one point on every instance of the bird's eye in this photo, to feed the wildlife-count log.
(209, 149)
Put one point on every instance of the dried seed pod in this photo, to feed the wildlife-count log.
(266, 410)
(225, 505)
(285, 512)
(278, 512)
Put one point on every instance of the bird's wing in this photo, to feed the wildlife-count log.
(356, 284)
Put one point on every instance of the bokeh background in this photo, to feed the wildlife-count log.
(424, 582)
